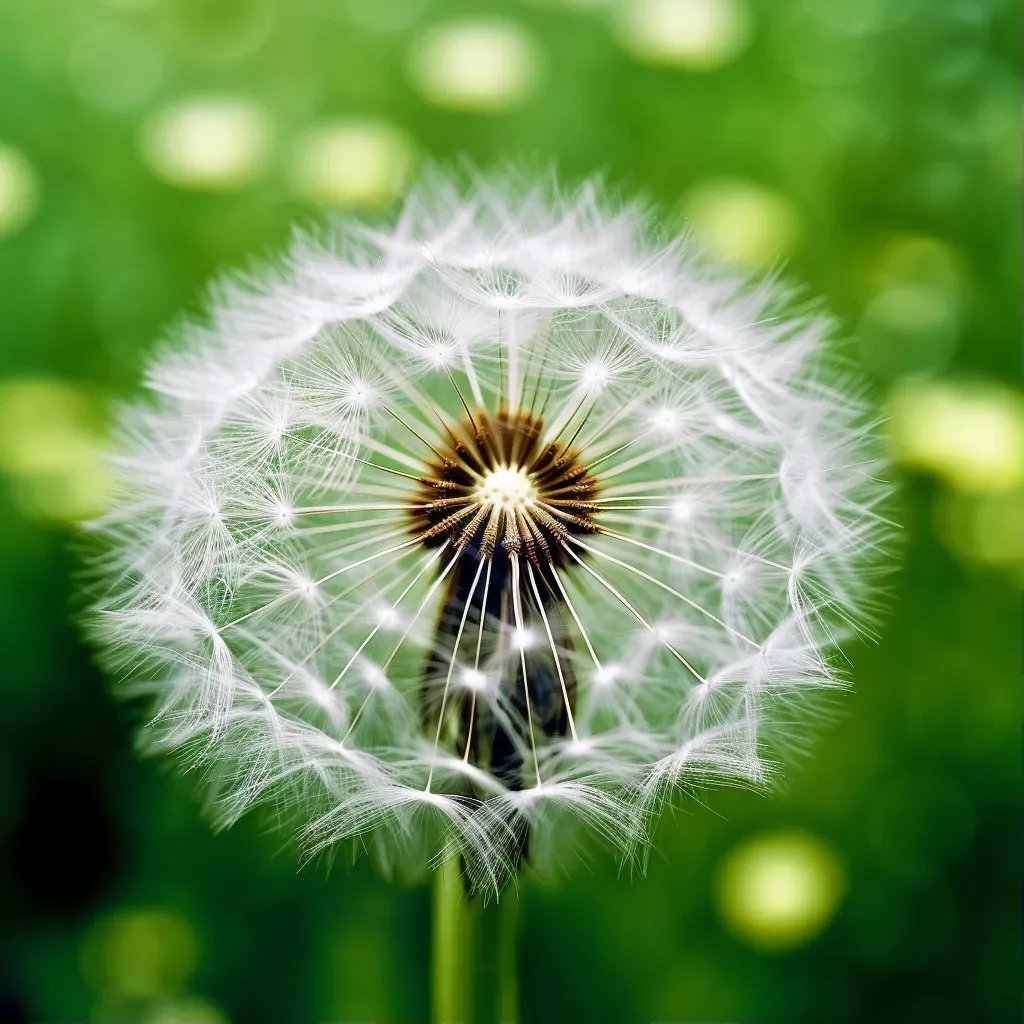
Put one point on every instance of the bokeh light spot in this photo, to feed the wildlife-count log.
(742, 222)
(352, 163)
(139, 953)
(910, 328)
(223, 29)
(780, 890)
(51, 448)
(915, 288)
(114, 67)
(484, 66)
(208, 144)
(986, 529)
(19, 190)
(904, 260)
(697, 34)
(969, 435)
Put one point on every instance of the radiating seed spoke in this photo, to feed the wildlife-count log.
(554, 651)
(451, 669)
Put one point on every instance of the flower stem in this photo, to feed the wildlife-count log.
(474, 964)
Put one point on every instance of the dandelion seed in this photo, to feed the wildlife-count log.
(505, 518)
(473, 679)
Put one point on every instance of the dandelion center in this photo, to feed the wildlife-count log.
(503, 486)
(507, 486)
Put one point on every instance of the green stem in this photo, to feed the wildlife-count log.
(474, 964)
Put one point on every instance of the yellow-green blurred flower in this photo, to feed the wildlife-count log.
(780, 890)
(51, 448)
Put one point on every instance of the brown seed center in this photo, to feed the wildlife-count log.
(496, 487)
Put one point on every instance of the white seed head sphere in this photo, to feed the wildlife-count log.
(502, 520)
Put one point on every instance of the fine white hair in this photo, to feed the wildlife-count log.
(261, 574)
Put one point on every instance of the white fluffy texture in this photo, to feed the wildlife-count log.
(259, 579)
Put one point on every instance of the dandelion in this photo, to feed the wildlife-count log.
(471, 536)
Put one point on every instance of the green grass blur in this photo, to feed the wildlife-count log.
(870, 148)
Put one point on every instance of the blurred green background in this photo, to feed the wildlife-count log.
(868, 147)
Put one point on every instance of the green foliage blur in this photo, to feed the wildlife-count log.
(868, 148)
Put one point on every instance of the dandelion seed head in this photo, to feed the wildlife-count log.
(683, 509)
(505, 516)
(473, 679)
(388, 616)
(523, 639)
(608, 674)
(374, 675)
